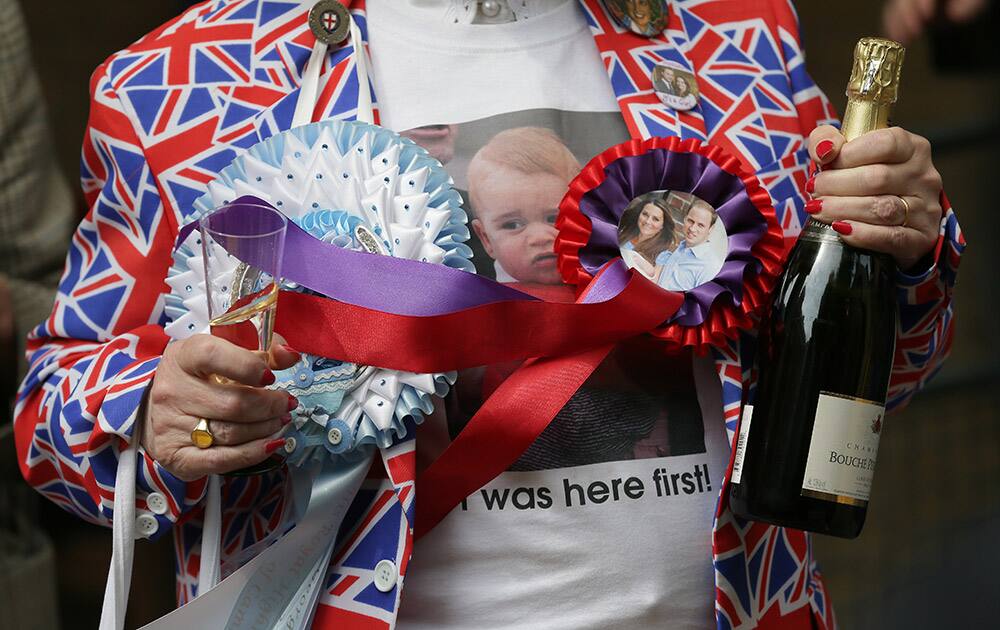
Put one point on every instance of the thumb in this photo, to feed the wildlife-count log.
(825, 143)
(281, 356)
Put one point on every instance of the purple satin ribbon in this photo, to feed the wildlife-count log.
(391, 285)
(659, 169)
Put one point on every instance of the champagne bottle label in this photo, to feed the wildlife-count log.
(741, 444)
(842, 449)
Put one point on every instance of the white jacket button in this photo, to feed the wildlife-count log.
(386, 575)
(146, 525)
(156, 503)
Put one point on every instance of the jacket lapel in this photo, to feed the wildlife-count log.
(338, 94)
(629, 60)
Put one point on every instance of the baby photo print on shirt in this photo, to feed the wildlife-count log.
(513, 170)
(638, 449)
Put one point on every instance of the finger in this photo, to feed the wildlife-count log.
(878, 210)
(906, 244)
(236, 433)
(237, 403)
(860, 181)
(825, 142)
(204, 356)
(206, 398)
(281, 356)
(893, 145)
(220, 459)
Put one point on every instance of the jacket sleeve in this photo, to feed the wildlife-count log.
(926, 316)
(926, 322)
(93, 358)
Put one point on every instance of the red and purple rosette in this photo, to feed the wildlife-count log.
(716, 310)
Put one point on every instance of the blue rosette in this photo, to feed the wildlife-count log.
(357, 186)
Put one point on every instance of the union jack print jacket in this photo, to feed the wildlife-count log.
(177, 106)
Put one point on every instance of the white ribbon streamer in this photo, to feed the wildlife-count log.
(300, 611)
(310, 85)
(270, 587)
(309, 89)
(365, 111)
(211, 537)
(123, 532)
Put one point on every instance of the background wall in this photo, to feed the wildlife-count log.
(925, 557)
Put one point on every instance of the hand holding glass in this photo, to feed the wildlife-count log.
(242, 246)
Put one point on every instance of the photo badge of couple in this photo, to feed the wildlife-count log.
(673, 238)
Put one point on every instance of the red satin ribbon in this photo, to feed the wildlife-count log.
(504, 427)
(484, 335)
(564, 344)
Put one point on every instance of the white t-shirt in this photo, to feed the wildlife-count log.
(605, 522)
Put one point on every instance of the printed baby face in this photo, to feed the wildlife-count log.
(515, 220)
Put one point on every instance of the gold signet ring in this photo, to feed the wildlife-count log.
(201, 435)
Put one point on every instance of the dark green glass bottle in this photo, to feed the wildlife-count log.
(808, 442)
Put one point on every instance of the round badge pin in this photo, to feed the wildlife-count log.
(675, 85)
(647, 18)
(330, 22)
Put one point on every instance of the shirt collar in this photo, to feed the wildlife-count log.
(469, 11)
(698, 251)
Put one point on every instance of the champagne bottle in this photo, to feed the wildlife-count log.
(807, 445)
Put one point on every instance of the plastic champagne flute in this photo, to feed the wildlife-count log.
(242, 245)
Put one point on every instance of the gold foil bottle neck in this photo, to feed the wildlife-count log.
(873, 87)
(871, 91)
(878, 64)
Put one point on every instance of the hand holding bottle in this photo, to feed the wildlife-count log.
(880, 191)
(826, 350)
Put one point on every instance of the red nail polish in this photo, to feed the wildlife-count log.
(814, 205)
(293, 402)
(288, 348)
(811, 185)
(273, 445)
(824, 148)
(285, 419)
(268, 378)
(842, 228)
